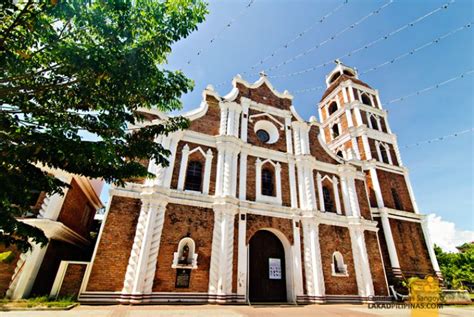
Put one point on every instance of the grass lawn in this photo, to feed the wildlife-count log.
(37, 302)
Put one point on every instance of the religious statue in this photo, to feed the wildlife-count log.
(183, 259)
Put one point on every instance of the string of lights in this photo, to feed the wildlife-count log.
(441, 138)
(222, 30)
(298, 36)
(424, 90)
(368, 45)
(331, 38)
(413, 51)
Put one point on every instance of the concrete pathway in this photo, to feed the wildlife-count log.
(234, 311)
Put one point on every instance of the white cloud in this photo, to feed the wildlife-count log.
(444, 233)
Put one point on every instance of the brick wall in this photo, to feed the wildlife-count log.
(182, 221)
(210, 122)
(257, 222)
(7, 269)
(264, 95)
(74, 213)
(317, 149)
(411, 248)
(363, 199)
(113, 252)
(72, 280)
(388, 181)
(251, 178)
(376, 263)
(331, 239)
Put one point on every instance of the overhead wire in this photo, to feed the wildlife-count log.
(222, 30)
(368, 45)
(331, 38)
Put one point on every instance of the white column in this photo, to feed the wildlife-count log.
(344, 95)
(173, 145)
(297, 136)
(289, 139)
(183, 166)
(358, 116)
(245, 119)
(365, 143)
(320, 192)
(52, 205)
(231, 121)
(26, 274)
(207, 172)
(278, 181)
(227, 175)
(297, 268)
(351, 94)
(376, 187)
(301, 187)
(350, 123)
(312, 259)
(361, 262)
(220, 171)
(220, 277)
(355, 146)
(392, 251)
(336, 194)
(292, 178)
(243, 176)
(429, 245)
(242, 257)
(309, 186)
(233, 189)
(142, 262)
(223, 123)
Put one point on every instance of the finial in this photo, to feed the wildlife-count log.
(262, 74)
(338, 61)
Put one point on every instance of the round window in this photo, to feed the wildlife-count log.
(263, 136)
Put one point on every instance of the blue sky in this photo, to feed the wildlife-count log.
(441, 172)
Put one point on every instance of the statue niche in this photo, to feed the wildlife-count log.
(185, 256)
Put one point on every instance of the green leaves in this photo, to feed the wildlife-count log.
(457, 268)
(70, 68)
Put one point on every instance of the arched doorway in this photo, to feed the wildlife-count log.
(267, 273)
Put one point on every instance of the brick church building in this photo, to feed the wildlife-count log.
(260, 205)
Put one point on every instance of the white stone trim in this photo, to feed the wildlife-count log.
(342, 266)
(192, 255)
(312, 259)
(277, 199)
(361, 262)
(387, 231)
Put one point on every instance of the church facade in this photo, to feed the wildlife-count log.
(258, 205)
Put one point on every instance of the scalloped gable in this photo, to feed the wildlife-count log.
(262, 91)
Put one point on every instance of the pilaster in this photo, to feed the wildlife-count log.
(312, 260)
(361, 262)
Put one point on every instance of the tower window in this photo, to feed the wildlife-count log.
(332, 108)
(396, 200)
(338, 266)
(267, 183)
(384, 154)
(374, 123)
(366, 100)
(335, 131)
(193, 176)
(328, 203)
(339, 153)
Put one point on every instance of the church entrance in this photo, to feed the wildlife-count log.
(267, 278)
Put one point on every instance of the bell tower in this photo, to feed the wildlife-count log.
(355, 127)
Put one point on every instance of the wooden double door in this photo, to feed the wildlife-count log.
(267, 278)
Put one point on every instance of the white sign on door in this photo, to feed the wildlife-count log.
(274, 268)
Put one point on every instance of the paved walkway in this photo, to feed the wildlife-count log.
(234, 311)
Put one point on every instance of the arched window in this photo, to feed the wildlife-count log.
(374, 123)
(332, 107)
(328, 203)
(366, 100)
(339, 153)
(193, 176)
(267, 183)
(335, 131)
(384, 154)
(396, 200)
(334, 77)
(338, 266)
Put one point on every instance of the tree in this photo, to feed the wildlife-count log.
(457, 268)
(75, 68)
